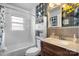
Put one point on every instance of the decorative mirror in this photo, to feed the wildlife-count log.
(53, 21)
(70, 14)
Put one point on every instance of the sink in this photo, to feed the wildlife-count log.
(52, 38)
(64, 43)
(57, 41)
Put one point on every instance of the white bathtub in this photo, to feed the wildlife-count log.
(19, 51)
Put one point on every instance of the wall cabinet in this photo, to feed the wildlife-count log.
(52, 50)
(41, 9)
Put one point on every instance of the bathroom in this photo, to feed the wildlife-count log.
(39, 29)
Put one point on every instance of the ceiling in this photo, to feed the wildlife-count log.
(25, 6)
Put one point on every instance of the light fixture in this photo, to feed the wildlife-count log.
(51, 5)
(54, 4)
(58, 3)
(64, 5)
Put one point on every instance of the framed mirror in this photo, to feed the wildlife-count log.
(70, 14)
(53, 21)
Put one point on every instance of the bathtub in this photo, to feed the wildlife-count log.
(18, 52)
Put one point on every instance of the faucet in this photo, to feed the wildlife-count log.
(75, 38)
(61, 37)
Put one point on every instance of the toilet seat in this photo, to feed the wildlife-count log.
(32, 51)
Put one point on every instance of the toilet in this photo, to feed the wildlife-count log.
(34, 51)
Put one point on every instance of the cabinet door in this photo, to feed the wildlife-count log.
(46, 50)
(52, 50)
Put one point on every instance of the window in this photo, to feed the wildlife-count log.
(17, 23)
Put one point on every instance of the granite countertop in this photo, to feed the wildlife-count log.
(70, 45)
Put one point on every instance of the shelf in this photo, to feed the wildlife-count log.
(41, 8)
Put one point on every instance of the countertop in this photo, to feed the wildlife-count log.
(70, 45)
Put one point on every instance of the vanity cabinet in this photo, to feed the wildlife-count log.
(48, 49)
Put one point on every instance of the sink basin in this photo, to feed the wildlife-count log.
(64, 43)
(57, 41)
(52, 38)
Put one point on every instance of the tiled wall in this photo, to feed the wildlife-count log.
(70, 32)
(66, 32)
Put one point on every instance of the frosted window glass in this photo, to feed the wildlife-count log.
(17, 19)
(17, 28)
(17, 23)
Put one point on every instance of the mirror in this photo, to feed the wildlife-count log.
(53, 21)
(70, 14)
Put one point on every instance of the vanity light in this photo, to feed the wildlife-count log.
(58, 3)
(64, 5)
(51, 4)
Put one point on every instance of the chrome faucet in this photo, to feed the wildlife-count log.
(61, 37)
(75, 38)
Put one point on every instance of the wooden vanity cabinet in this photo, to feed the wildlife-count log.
(48, 49)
